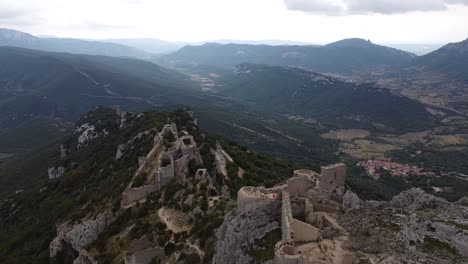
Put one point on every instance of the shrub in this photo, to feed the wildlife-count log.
(138, 181)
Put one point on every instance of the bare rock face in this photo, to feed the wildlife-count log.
(240, 229)
(55, 172)
(119, 153)
(414, 227)
(351, 201)
(415, 199)
(84, 258)
(79, 235)
(86, 132)
(225, 192)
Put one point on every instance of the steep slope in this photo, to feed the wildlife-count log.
(63, 86)
(9, 37)
(343, 56)
(451, 60)
(296, 92)
(151, 188)
(102, 162)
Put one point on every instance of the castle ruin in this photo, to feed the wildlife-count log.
(168, 159)
(309, 204)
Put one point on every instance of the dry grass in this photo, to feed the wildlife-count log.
(448, 140)
(176, 221)
(408, 139)
(365, 149)
(347, 134)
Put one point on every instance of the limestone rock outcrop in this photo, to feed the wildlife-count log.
(55, 172)
(81, 234)
(241, 228)
(351, 201)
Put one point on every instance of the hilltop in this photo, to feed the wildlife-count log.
(451, 60)
(345, 56)
(142, 187)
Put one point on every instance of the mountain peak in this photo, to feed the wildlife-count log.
(7, 35)
(350, 42)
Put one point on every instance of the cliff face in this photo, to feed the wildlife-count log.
(242, 227)
(413, 226)
(78, 215)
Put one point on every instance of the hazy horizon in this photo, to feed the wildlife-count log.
(306, 21)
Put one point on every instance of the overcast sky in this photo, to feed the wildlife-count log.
(314, 21)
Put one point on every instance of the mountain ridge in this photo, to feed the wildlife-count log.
(296, 92)
(343, 56)
(10, 37)
(451, 59)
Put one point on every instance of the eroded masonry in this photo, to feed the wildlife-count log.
(169, 159)
(307, 205)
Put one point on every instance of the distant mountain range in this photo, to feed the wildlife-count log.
(343, 56)
(15, 38)
(451, 60)
(48, 89)
(155, 46)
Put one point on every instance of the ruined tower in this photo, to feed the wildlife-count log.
(333, 178)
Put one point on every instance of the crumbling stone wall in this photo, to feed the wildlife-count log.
(332, 178)
(299, 185)
(285, 253)
(304, 232)
(168, 171)
(251, 197)
(145, 256)
(286, 217)
(132, 195)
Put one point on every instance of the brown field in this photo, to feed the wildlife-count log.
(441, 141)
(347, 134)
(365, 149)
(407, 139)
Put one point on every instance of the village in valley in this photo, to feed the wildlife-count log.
(375, 168)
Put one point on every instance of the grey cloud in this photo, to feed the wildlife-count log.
(347, 7)
(12, 16)
(314, 6)
(393, 7)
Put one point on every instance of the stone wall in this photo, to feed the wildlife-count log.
(298, 186)
(286, 217)
(181, 168)
(285, 253)
(145, 256)
(250, 197)
(304, 232)
(132, 195)
(332, 178)
(168, 171)
(307, 173)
